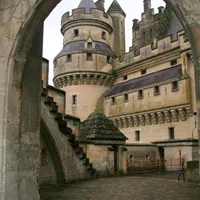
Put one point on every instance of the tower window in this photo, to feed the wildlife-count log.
(171, 133)
(108, 59)
(89, 56)
(103, 35)
(75, 123)
(125, 97)
(144, 71)
(69, 57)
(137, 135)
(140, 94)
(76, 33)
(156, 90)
(174, 86)
(113, 100)
(125, 77)
(89, 45)
(74, 99)
(173, 62)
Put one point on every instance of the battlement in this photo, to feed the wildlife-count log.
(80, 14)
(157, 47)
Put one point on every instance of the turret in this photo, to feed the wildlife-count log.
(147, 5)
(118, 16)
(100, 5)
(83, 67)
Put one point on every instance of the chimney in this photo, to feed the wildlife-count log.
(147, 5)
(100, 5)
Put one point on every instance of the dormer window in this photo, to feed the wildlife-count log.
(156, 90)
(140, 94)
(113, 100)
(108, 59)
(173, 62)
(125, 77)
(103, 35)
(125, 97)
(144, 71)
(174, 86)
(76, 33)
(69, 57)
(89, 45)
(89, 56)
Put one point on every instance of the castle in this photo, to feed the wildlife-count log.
(148, 92)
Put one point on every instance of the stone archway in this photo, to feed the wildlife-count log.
(20, 72)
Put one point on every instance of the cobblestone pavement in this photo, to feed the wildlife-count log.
(123, 188)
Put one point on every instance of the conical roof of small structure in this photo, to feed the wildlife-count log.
(87, 4)
(98, 127)
(115, 7)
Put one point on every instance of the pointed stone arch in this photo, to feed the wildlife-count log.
(20, 73)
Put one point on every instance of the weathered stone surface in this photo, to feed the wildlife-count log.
(19, 22)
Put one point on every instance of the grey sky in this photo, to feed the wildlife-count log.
(53, 38)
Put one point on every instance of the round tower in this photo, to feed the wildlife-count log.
(83, 68)
(118, 16)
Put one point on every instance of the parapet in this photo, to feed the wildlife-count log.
(80, 14)
(157, 47)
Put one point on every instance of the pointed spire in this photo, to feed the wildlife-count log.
(87, 4)
(115, 7)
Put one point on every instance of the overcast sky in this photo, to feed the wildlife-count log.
(53, 38)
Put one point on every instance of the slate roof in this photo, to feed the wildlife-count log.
(115, 7)
(174, 27)
(98, 127)
(150, 79)
(78, 47)
(87, 4)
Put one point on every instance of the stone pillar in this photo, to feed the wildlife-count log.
(20, 143)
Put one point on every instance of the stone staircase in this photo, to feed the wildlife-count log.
(67, 132)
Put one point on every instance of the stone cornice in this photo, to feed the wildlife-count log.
(83, 78)
(154, 117)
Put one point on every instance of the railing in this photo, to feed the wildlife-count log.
(147, 165)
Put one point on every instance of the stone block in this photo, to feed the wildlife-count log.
(193, 171)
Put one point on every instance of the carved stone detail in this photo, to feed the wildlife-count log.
(167, 116)
(84, 78)
(148, 119)
(136, 120)
(160, 117)
(154, 118)
(125, 122)
(182, 114)
(142, 120)
(130, 121)
(174, 115)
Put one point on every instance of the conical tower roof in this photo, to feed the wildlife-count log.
(87, 4)
(98, 127)
(115, 7)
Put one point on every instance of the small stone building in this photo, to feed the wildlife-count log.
(103, 144)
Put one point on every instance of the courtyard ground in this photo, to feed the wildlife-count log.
(124, 188)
